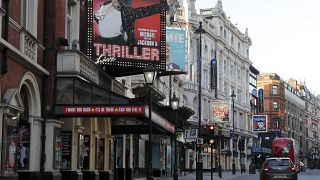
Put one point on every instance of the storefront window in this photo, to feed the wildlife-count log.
(100, 153)
(64, 94)
(84, 151)
(57, 148)
(111, 154)
(23, 145)
(168, 158)
(119, 152)
(23, 152)
(10, 143)
(82, 92)
(128, 152)
(100, 96)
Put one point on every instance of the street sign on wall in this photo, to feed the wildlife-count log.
(191, 133)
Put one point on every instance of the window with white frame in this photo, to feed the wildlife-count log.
(29, 16)
(72, 21)
(69, 24)
(275, 106)
(274, 89)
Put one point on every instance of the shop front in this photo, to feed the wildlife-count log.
(138, 129)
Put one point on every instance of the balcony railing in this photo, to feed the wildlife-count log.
(29, 45)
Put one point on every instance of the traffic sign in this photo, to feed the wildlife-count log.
(199, 140)
(191, 134)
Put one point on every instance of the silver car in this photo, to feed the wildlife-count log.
(278, 168)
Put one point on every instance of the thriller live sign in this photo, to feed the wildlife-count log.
(124, 37)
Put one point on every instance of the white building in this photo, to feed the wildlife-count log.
(224, 42)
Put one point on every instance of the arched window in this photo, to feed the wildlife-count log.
(24, 131)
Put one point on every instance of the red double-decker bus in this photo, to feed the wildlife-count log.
(286, 147)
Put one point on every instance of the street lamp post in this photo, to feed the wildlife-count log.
(175, 106)
(233, 160)
(199, 173)
(149, 75)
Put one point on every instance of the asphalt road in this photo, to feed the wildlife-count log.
(308, 175)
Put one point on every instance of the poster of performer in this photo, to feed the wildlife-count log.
(176, 49)
(23, 151)
(127, 30)
(9, 162)
(259, 123)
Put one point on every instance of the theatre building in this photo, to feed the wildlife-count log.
(23, 71)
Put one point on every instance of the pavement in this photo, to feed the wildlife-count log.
(226, 175)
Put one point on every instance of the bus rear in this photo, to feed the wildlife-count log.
(286, 147)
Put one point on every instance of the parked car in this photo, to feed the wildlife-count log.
(278, 168)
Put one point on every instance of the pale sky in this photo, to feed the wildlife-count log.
(285, 35)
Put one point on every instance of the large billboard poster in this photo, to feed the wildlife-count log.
(176, 49)
(219, 111)
(128, 32)
(259, 123)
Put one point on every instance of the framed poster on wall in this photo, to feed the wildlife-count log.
(10, 145)
(66, 150)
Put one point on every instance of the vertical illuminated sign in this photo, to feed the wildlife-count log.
(260, 100)
(214, 74)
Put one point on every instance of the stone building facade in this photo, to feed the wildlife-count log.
(229, 47)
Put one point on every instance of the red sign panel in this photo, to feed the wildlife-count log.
(127, 31)
(103, 110)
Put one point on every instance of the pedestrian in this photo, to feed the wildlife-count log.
(191, 165)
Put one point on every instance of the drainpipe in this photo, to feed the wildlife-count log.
(44, 90)
(4, 67)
